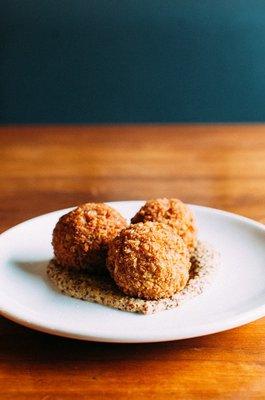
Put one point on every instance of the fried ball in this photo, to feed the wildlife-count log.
(173, 212)
(149, 260)
(81, 237)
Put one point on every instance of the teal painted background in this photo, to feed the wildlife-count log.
(77, 61)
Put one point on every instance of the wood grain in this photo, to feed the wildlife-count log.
(46, 168)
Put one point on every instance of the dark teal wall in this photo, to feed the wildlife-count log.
(132, 61)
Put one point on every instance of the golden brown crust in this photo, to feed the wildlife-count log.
(81, 237)
(172, 212)
(149, 260)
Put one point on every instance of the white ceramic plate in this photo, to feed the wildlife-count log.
(236, 297)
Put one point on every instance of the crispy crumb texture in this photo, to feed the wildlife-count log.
(172, 212)
(149, 260)
(101, 288)
(81, 237)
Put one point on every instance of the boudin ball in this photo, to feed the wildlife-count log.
(172, 212)
(149, 261)
(82, 236)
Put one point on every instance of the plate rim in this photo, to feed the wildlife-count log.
(201, 330)
(112, 203)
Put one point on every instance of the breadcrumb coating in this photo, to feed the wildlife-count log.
(149, 260)
(81, 237)
(172, 212)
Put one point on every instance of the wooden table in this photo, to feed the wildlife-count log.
(47, 168)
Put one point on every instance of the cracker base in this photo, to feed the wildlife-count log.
(101, 289)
